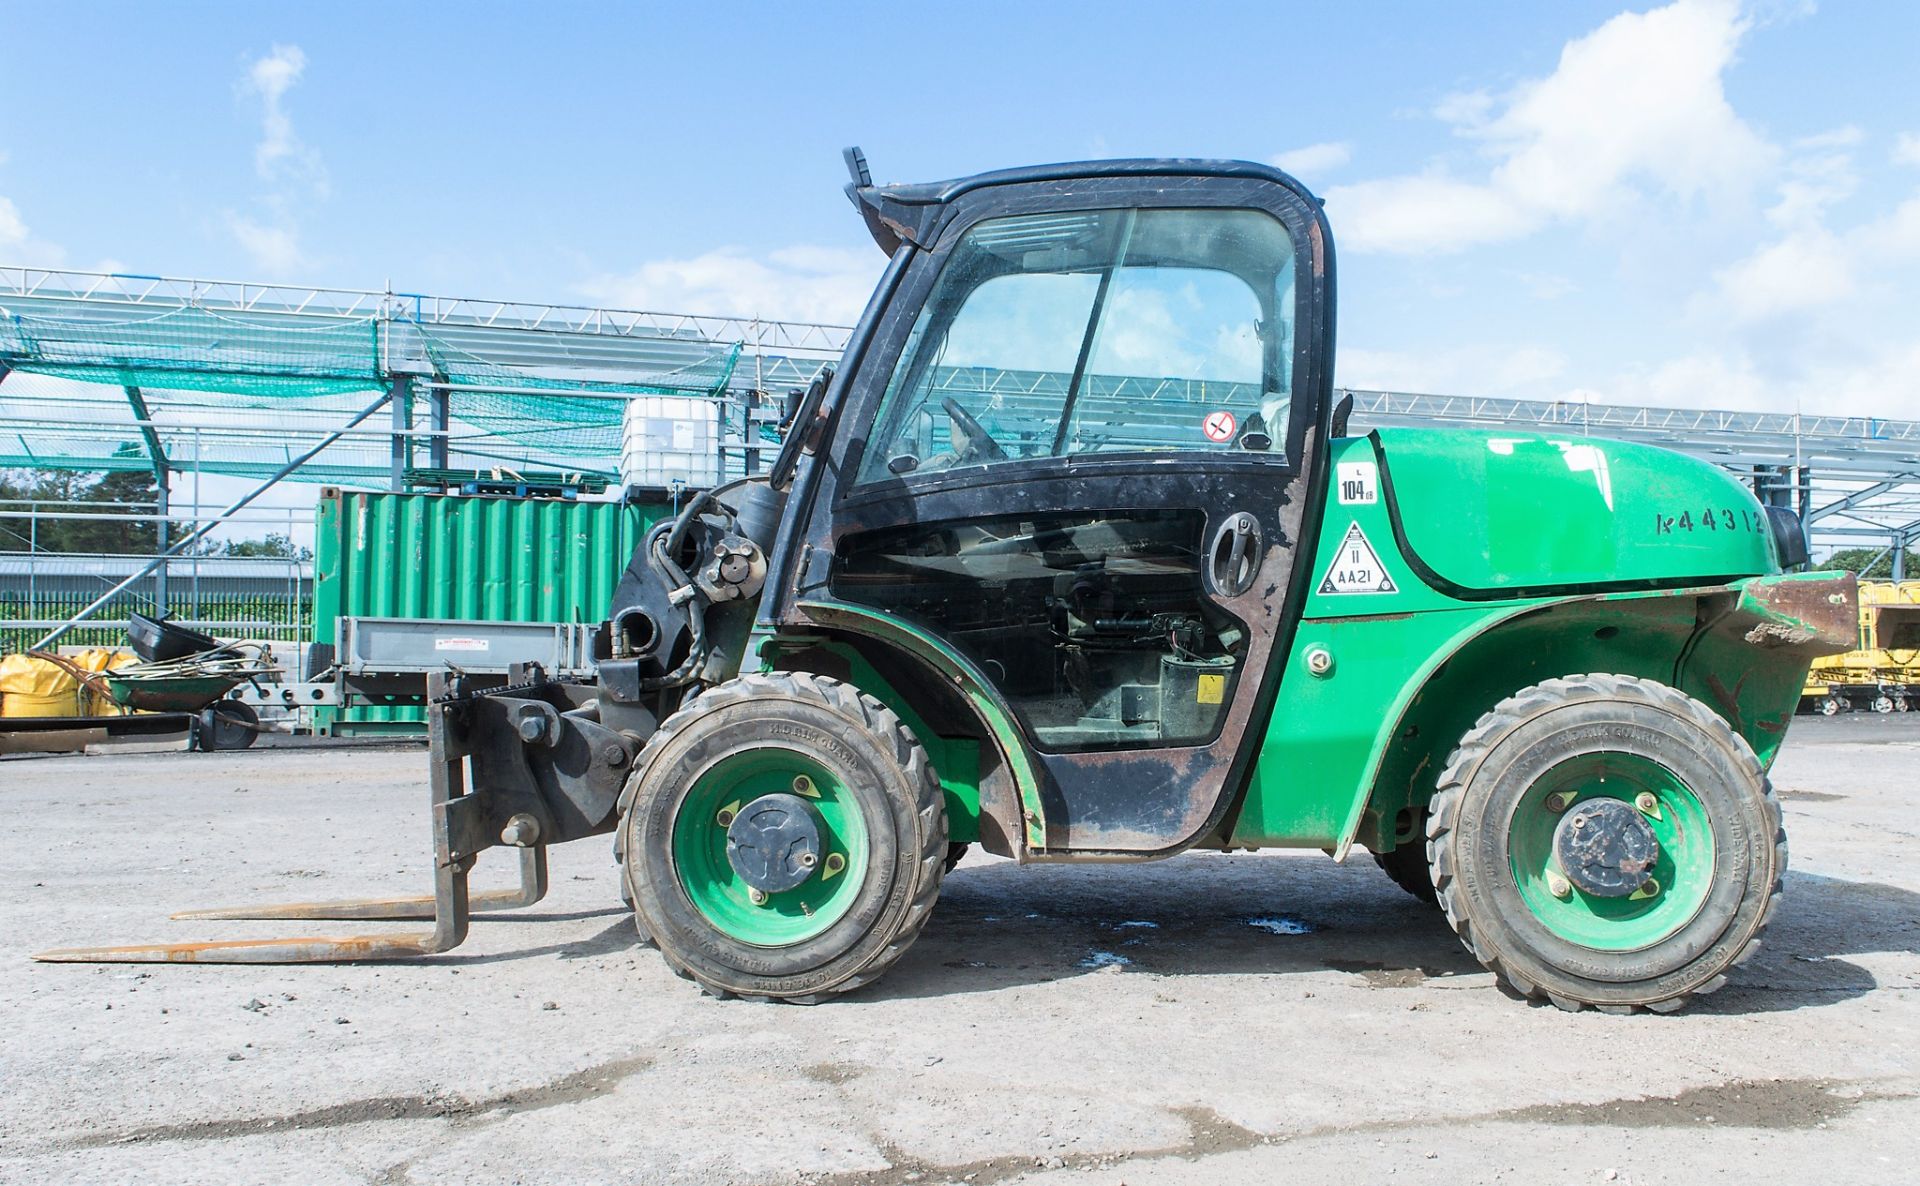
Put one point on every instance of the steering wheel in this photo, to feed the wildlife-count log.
(979, 445)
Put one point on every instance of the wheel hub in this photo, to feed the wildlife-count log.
(774, 842)
(1605, 847)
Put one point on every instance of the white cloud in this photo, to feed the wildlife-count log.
(1314, 158)
(1810, 265)
(1637, 105)
(1546, 286)
(1847, 136)
(1893, 239)
(1704, 380)
(1879, 382)
(1813, 183)
(1424, 214)
(273, 249)
(803, 283)
(280, 152)
(1906, 149)
(1805, 270)
(18, 244)
(1511, 370)
(291, 168)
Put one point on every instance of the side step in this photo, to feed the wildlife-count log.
(450, 908)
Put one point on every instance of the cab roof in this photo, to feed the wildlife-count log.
(905, 212)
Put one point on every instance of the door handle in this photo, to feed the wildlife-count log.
(1234, 559)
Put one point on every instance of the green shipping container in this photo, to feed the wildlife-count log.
(448, 556)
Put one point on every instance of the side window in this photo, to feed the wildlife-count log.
(1020, 328)
(1102, 331)
(1173, 342)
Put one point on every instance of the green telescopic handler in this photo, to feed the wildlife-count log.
(1072, 558)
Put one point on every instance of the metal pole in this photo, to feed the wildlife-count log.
(195, 535)
(400, 396)
(160, 476)
(1899, 556)
(196, 520)
(437, 400)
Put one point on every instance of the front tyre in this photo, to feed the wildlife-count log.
(1604, 840)
(783, 837)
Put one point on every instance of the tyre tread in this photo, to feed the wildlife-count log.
(1509, 714)
(881, 723)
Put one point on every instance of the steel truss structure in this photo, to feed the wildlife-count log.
(1853, 479)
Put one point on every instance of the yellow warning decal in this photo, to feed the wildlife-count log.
(1212, 689)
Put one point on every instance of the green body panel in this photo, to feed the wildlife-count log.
(960, 770)
(1513, 511)
(1353, 753)
(956, 760)
(969, 680)
(1311, 777)
(476, 558)
(1541, 582)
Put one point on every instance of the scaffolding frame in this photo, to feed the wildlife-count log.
(1850, 478)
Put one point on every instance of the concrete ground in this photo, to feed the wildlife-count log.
(1267, 1018)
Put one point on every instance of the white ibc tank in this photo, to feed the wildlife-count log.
(667, 440)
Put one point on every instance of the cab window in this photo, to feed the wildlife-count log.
(1110, 331)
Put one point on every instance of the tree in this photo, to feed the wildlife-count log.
(1870, 563)
(275, 545)
(54, 533)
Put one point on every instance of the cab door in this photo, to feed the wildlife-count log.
(1078, 452)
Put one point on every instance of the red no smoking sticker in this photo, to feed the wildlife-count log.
(1218, 426)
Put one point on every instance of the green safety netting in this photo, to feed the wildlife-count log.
(244, 395)
(571, 425)
(194, 349)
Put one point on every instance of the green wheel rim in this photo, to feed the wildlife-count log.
(721, 895)
(1683, 873)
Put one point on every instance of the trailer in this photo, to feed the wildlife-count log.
(385, 662)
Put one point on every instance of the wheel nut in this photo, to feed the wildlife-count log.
(807, 859)
(1648, 889)
(1559, 886)
(757, 897)
(724, 817)
(835, 863)
(802, 785)
(1647, 804)
(1559, 801)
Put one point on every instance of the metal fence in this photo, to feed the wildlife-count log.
(258, 597)
(252, 597)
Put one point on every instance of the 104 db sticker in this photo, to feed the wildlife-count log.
(1356, 567)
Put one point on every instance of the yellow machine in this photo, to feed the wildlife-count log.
(1883, 674)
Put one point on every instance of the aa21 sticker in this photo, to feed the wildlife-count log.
(1358, 482)
(1356, 568)
(1218, 426)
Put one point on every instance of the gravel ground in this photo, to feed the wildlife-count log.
(1270, 1017)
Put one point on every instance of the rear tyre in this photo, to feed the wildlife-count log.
(1407, 866)
(783, 837)
(1631, 780)
(1831, 706)
(1883, 704)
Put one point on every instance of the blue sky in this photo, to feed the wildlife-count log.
(1703, 203)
